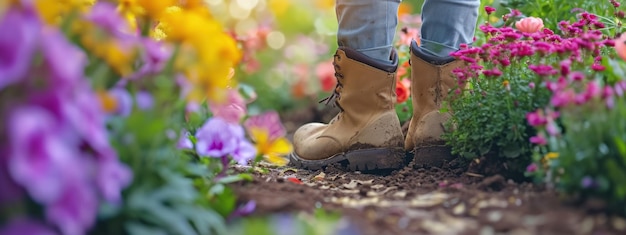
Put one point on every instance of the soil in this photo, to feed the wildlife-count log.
(413, 200)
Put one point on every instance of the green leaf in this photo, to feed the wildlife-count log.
(141, 229)
(234, 178)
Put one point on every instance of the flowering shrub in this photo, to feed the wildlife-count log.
(96, 98)
(512, 74)
(554, 11)
(581, 141)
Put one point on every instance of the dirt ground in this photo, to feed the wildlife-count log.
(450, 200)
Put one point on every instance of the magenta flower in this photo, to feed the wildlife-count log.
(489, 9)
(536, 118)
(18, 41)
(218, 138)
(563, 98)
(543, 70)
(539, 140)
(532, 168)
(598, 67)
(23, 226)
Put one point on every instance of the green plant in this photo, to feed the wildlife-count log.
(512, 74)
(584, 152)
(554, 11)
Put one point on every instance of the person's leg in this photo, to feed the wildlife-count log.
(366, 134)
(446, 24)
(367, 26)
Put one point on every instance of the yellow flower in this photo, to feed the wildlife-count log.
(206, 52)
(271, 150)
(279, 7)
(53, 11)
(154, 8)
(551, 155)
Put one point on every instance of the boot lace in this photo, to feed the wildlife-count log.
(336, 95)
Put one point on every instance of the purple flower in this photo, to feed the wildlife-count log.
(24, 226)
(218, 138)
(39, 154)
(87, 120)
(75, 211)
(10, 190)
(184, 142)
(18, 42)
(106, 16)
(244, 209)
(124, 101)
(112, 177)
(587, 182)
(155, 56)
(65, 61)
(144, 100)
(244, 152)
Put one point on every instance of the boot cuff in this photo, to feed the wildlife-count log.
(435, 60)
(382, 65)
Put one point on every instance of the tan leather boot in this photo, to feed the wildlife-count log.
(366, 134)
(430, 84)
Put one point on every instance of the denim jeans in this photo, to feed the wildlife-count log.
(369, 26)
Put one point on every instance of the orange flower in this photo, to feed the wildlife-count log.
(402, 92)
(404, 9)
(529, 24)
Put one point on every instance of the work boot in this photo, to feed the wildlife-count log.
(366, 134)
(431, 80)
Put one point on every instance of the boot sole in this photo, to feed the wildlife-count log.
(432, 156)
(357, 160)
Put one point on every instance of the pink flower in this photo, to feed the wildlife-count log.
(536, 118)
(529, 24)
(531, 168)
(598, 67)
(269, 121)
(325, 72)
(489, 9)
(232, 110)
(539, 140)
